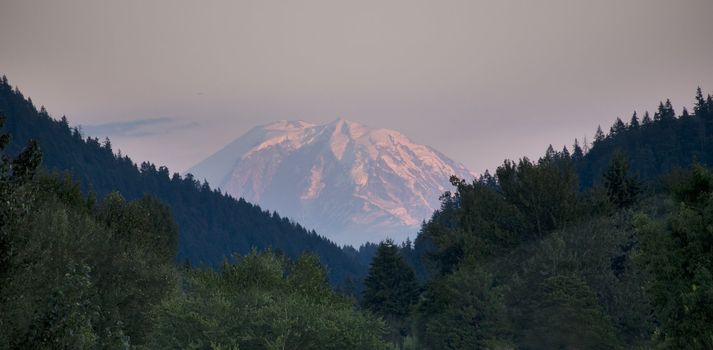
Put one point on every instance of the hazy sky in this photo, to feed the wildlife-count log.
(173, 81)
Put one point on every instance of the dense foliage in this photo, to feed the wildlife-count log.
(678, 254)
(77, 272)
(263, 302)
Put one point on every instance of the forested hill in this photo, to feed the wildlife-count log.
(572, 250)
(653, 145)
(212, 225)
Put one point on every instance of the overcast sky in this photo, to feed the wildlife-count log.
(173, 81)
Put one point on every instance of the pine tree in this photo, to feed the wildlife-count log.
(700, 105)
(665, 111)
(658, 116)
(550, 152)
(390, 288)
(577, 153)
(617, 128)
(647, 119)
(634, 123)
(599, 135)
(622, 188)
(565, 153)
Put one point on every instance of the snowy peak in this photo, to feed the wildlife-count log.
(286, 125)
(350, 182)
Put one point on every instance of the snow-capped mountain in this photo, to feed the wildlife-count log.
(349, 182)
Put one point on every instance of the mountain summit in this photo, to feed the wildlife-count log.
(347, 181)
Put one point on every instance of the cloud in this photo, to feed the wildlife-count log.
(138, 128)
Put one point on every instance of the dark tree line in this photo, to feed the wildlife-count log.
(653, 146)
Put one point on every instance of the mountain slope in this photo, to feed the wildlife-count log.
(350, 182)
(212, 225)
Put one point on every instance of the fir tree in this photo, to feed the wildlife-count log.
(617, 128)
(665, 111)
(577, 153)
(599, 135)
(622, 188)
(550, 152)
(634, 123)
(390, 288)
(700, 102)
(565, 153)
(647, 119)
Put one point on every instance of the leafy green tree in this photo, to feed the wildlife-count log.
(476, 220)
(463, 310)
(263, 302)
(71, 278)
(566, 315)
(678, 254)
(545, 192)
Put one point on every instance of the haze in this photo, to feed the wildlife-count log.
(173, 81)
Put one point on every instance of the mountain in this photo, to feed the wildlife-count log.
(348, 181)
(212, 226)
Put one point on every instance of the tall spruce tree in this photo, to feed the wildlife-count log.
(647, 119)
(577, 153)
(634, 123)
(599, 135)
(618, 127)
(700, 106)
(622, 188)
(390, 288)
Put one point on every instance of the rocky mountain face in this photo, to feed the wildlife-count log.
(349, 182)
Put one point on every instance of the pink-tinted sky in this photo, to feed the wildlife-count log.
(172, 81)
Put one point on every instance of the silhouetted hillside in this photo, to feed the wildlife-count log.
(653, 145)
(212, 225)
